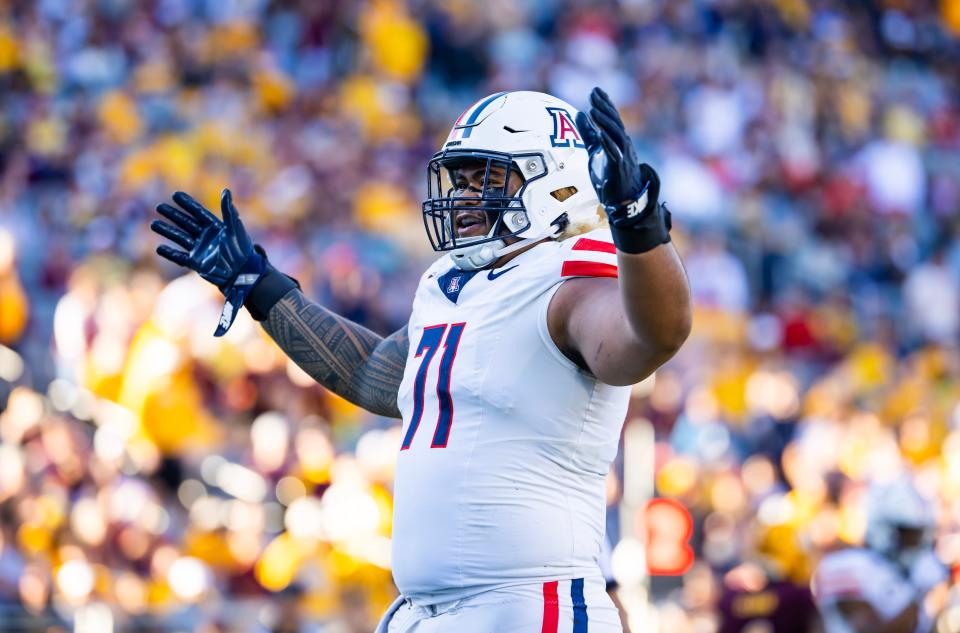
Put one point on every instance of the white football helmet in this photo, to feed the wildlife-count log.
(896, 506)
(531, 133)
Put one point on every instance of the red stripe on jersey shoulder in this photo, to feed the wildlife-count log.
(588, 269)
(587, 244)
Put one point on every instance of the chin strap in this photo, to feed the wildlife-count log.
(482, 255)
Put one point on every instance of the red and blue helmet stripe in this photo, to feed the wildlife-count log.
(463, 127)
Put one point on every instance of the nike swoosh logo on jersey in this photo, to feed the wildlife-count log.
(491, 276)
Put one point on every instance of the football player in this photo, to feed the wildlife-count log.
(513, 374)
(769, 592)
(896, 584)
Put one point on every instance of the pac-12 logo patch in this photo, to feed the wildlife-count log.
(565, 132)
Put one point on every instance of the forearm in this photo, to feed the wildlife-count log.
(343, 356)
(656, 298)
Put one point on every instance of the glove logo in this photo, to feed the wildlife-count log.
(226, 316)
(565, 133)
(636, 207)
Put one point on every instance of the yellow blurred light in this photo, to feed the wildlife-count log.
(88, 522)
(315, 454)
(851, 522)
(914, 435)
(34, 538)
(289, 489)
(677, 477)
(280, 562)
(824, 529)
(396, 43)
(75, 580)
(270, 434)
(51, 507)
(189, 578)
(342, 564)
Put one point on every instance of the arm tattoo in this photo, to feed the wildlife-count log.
(346, 358)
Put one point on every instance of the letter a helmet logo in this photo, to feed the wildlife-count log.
(565, 132)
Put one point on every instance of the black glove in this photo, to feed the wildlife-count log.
(219, 250)
(628, 189)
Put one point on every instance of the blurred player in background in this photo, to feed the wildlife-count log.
(513, 374)
(896, 584)
(770, 594)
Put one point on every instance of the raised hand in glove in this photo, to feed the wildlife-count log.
(628, 189)
(219, 250)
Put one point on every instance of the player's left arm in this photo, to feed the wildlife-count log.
(622, 330)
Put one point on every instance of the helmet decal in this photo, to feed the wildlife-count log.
(463, 127)
(564, 131)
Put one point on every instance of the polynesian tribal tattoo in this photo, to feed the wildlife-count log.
(346, 358)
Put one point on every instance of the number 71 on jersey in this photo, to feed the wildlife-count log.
(433, 335)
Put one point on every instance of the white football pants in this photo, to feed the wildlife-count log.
(565, 606)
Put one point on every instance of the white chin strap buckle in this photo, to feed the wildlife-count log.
(476, 257)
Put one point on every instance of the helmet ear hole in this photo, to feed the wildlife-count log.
(563, 193)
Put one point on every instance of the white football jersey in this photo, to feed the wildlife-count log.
(864, 575)
(500, 477)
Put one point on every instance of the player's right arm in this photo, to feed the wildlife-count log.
(346, 358)
(341, 355)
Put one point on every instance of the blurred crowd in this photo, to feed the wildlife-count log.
(163, 480)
